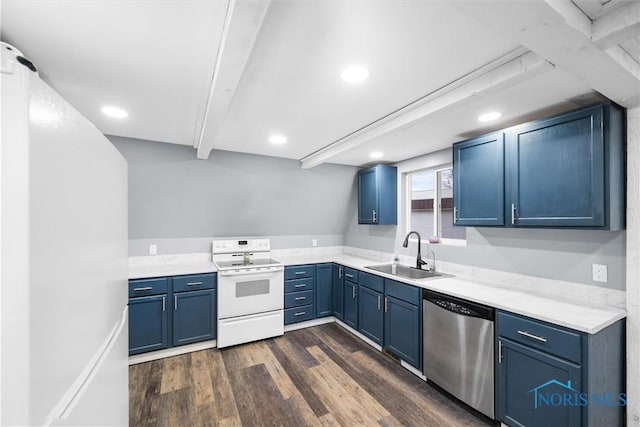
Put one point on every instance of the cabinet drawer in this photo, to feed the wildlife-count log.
(298, 314)
(371, 281)
(296, 299)
(144, 287)
(299, 271)
(194, 282)
(550, 339)
(298, 285)
(351, 274)
(403, 292)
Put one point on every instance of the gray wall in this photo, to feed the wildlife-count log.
(553, 254)
(186, 201)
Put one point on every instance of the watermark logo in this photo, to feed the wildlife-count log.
(555, 393)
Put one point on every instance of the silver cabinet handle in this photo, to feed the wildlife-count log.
(300, 286)
(379, 301)
(350, 276)
(534, 337)
(500, 351)
(353, 292)
(194, 283)
(297, 273)
(175, 302)
(386, 304)
(146, 288)
(301, 313)
(164, 303)
(375, 216)
(340, 273)
(513, 214)
(300, 298)
(455, 215)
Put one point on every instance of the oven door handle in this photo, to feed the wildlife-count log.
(249, 272)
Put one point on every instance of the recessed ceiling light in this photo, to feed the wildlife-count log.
(354, 74)
(278, 139)
(116, 112)
(376, 154)
(486, 117)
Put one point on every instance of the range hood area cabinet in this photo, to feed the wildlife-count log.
(378, 195)
(565, 171)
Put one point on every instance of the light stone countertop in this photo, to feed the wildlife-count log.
(581, 307)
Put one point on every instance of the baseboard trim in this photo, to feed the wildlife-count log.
(168, 352)
(309, 323)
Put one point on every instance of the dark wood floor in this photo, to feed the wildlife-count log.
(311, 377)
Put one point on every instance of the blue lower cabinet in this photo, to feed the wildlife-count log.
(549, 375)
(298, 314)
(194, 316)
(148, 324)
(338, 291)
(324, 290)
(350, 304)
(402, 330)
(533, 385)
(370, 314)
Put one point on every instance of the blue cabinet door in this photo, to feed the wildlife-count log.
(370, 314)
(194, 316)
(338, 291)
(351, 304)
(478, 181)
(367, 197)
(402, 330)
(324, 290)
(531, 388)
(378, 195)
(557, 175)
(148, 324)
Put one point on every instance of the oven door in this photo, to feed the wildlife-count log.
(250, 292)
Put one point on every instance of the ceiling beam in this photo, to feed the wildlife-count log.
(504, 72)
(559, 32)
(242, 25)
(617, 26)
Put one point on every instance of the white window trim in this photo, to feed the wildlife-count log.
(405, 205)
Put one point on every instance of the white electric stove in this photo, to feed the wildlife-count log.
(250, 291)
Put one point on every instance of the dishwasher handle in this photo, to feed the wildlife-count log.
(459, 306)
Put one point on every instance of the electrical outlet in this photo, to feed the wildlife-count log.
(153, 249)
(314, 242)
(599, 273)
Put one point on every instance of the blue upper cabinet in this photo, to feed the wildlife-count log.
(566, 171)
(378, 195)
(478, 169)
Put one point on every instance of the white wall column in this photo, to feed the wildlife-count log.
(633, 266)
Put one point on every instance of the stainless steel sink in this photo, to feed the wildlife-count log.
(408, 272)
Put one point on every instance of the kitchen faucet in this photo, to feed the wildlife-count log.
(419, 261)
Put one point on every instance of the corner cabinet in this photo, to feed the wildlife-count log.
(324, 290)
(378, 195)
(338, 291)
(566, 171)
(551, 375)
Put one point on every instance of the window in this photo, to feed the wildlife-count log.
(430, 193)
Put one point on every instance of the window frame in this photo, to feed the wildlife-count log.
(437, 204)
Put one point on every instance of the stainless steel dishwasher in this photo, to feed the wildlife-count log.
(458, 347)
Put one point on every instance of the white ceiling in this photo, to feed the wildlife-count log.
(225, 75)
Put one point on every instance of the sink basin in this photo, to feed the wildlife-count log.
(408, 272)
